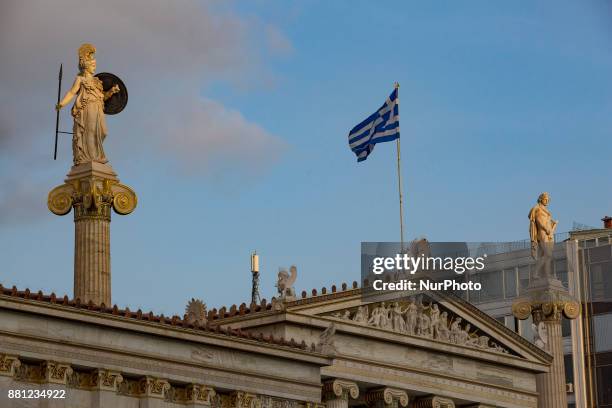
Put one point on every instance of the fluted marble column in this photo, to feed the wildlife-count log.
(92, 189)
(92, 273)
(336, 393)
(551, 386)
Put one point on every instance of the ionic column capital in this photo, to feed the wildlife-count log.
(56, 373)
(92, 189)
(151, 387)
(542, 311)
(434, 402)
(198, 394)
(240, 399)
(340, 389)
(387, 398)
(106, 380)
(9, 364)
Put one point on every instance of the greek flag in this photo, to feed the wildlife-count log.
(381, 126)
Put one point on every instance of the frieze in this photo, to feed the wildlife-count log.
(417, 318)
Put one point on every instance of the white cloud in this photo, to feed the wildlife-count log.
(166, 52)
(206, 133)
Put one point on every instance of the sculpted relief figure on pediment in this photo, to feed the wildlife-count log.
(418, 318)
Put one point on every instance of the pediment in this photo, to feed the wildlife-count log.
(423, 317)
(442, 319)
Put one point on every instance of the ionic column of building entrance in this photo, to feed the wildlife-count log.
(434, 401)
(336, 393)
(387, 398)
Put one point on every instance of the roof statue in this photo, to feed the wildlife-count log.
(94, 96)
(195, 312)
(542, 234)
(285, 282)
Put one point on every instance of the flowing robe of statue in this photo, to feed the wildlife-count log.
(89, 129)
(89, 124)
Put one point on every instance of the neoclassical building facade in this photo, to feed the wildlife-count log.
(332, 349)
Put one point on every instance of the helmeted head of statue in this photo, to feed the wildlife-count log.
(544, 198)
(87, 59)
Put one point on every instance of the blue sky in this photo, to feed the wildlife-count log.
(235, 135)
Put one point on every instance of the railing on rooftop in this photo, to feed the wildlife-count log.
(496, 248)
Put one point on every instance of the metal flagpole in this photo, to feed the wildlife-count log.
(399, 183)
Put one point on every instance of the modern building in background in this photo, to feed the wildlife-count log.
(583, 262)
(594, 288)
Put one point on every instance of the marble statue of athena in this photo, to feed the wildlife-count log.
(89, 130)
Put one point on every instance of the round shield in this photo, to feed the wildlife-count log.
(117, 102)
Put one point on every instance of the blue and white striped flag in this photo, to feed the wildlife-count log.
(381, 126)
